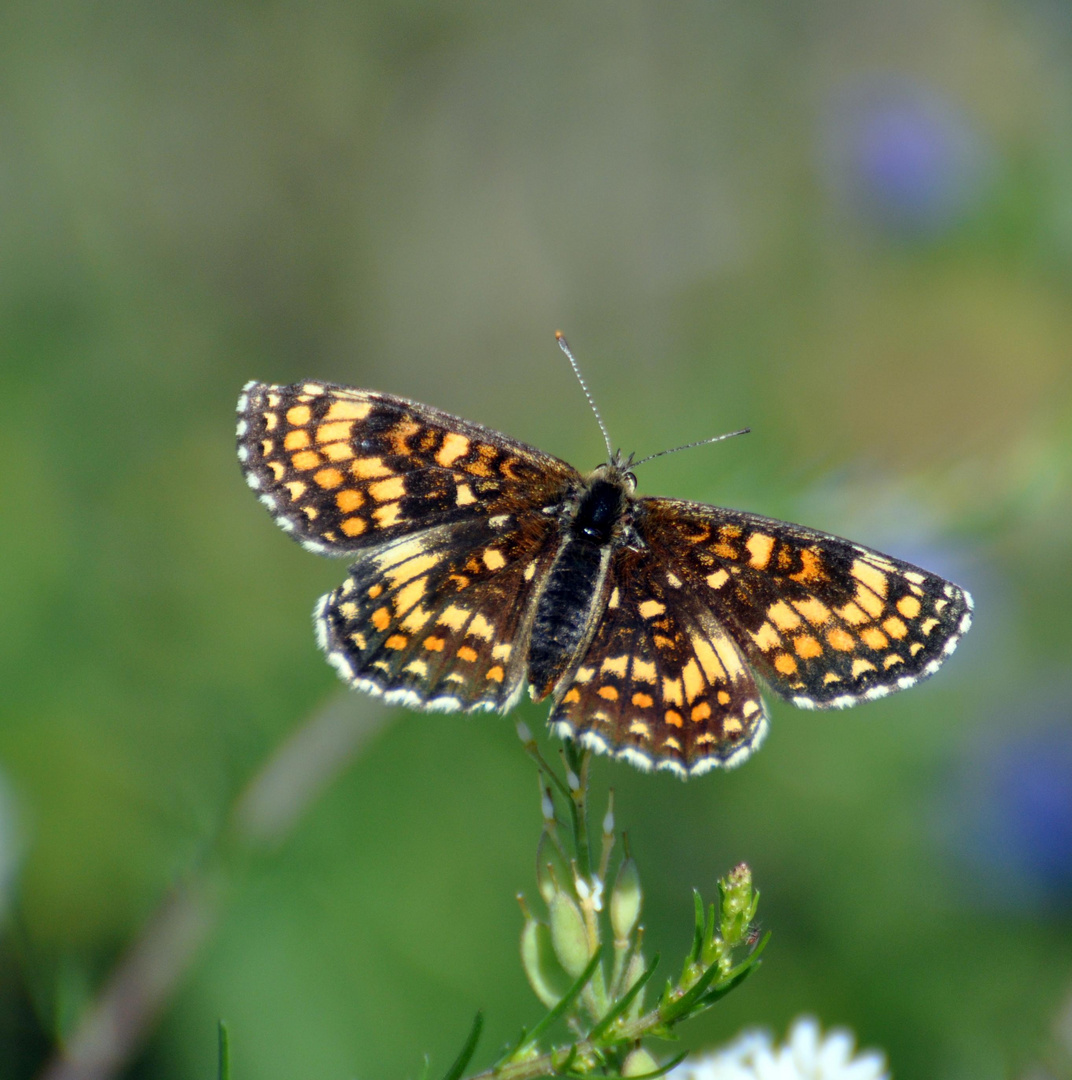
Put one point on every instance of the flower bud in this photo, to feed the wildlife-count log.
(546, 977)
(639, 1063)
(738, 903)
(625, 900)
(568, 935)
(523, 733)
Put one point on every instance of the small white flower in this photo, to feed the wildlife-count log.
(805, 1055)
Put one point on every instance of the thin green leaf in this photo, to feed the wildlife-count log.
(601, 1028)
(698, 934)
(467, 1051)
(723, 989)
(224, 1052)
(571, 996)
(522, 1040)
(677, 1009)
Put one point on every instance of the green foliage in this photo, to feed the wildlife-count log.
(584, 958)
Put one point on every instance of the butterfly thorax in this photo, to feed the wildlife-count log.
(596, 521)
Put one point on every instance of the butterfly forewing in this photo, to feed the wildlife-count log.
(344, 470)
(825, 621)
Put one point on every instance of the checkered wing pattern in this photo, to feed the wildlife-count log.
(346, 470)
(825, 621)
(663, 684)
(445, 518)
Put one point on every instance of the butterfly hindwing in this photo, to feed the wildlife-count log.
(439, 620)
(662, 684)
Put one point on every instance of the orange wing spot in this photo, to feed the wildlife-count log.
(650, 608)
(339, 432)
(895, 628)
(766, 637)
(815, 611)
(279, 470)
(381, 618)
(348, 410)
(416, 619)
(760, 546)
(874, 638)
(807, 647)
(459, 581)
(732, 726)
(615, 665)
(463, 495)
(388, 490)
(860, 666)
(310, 512)
(387, 515)
(831, 677)
(409, 594)
(853, 614)
(368, 468)
(397, 641)
(337, 451)
(915, 647)
(493, 559)
(811, 567)
(672, 691)
(718, 579)
(638, 727)
(296, 489)
(466, 653)
(455, 617)
(374, 591)
(299, 415)
(672, 743)
(872, 604)
(328, 478)
(928, 625)
(352, 526)
(840, 640)
(306, 459)
(434, 644)
(701, 712)
(908, 606)
(643, 670)
(401, 433)
(784, 663)
(495, 674)
(573, 695)
(723, 697)
(871, 576)
(608, 693)
(660, 641)
(349, 500)
(783, 616)
(725, 551)
(672, 717)
(712, 666)
(296, 440)
(454, 446)
(891, 660)
(694, 681)
(271, 421)
(266, 447)
(643, 701)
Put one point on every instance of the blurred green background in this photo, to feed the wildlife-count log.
(846, 225)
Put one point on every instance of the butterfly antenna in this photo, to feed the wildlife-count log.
(564, 346)
(689, 446)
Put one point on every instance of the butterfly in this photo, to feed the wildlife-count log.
(483, 567)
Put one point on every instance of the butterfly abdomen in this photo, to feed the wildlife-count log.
(564, 610)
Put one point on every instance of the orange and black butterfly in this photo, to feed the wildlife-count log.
(482, 567)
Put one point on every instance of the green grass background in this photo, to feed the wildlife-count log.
(413, 197)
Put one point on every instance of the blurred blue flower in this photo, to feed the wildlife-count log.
(1012, 821)
(902, 156)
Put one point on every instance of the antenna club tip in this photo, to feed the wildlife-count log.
(559, 336)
